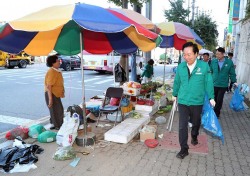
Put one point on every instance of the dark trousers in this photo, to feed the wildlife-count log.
(186, 113)
(218, 98)
(56, 111)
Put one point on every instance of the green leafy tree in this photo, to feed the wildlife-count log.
(206, 28)
(121, 3)
(247, 11)
(177, 13)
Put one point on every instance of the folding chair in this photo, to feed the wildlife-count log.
(106, 108)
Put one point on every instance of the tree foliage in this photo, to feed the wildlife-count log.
(247, 11)
(132, 2)
(177, 13)
(204, 26)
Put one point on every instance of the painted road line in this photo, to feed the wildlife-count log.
(92, 79)
(30, 76)
(78, 88)
(22, 83)
(107, 80)
(14, 120)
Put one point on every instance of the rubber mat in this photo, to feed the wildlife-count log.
(170, 141)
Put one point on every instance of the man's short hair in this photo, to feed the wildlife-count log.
(151, 62)
(220, 49)
(51, 60)
(191, 44)
(230, 54)
(205, 54)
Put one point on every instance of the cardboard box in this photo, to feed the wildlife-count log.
(148, 135)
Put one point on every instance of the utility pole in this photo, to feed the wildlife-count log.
(188, 8)
(149, 16)
(193, 6)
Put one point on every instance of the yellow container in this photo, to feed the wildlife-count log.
(127, 108)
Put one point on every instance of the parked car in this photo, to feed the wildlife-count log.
(69, 62)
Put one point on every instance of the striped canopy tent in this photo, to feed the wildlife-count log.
(176, 34)
(137, 17)
(68, 28)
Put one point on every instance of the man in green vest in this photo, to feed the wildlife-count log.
(192, 81)
(222, 69)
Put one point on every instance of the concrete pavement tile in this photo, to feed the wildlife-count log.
(184, 166)
(243, 162)
(164, 170)
(218, 162)
(219, 170)
(201, 168)
(192, 171)
(182, 173)
(143, 162)
(201, 173)
(246, 170)
(226, 160)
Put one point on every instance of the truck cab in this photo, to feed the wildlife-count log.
(20, 60)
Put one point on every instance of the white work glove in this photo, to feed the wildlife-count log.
(212, 102)
(236, 84)
(174, 98)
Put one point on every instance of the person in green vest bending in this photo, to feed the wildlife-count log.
(222, 69)
(148, 71)
(192, 81)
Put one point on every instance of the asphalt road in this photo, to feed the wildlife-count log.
(22, 92)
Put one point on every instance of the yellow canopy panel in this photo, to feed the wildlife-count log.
(44, 20)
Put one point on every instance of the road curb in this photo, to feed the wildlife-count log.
(42, 120)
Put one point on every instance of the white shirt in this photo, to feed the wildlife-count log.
(191, 67)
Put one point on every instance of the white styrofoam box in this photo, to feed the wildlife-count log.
(145, 119)
(146, 107)
(131, 91)
(122, 133)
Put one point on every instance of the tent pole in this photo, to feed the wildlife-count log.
(88, 138)
(164, 67)
(83, 93)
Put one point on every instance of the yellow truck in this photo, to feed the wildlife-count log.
(20, 60)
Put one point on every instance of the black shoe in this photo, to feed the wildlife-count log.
(194, 141)
(182, 154)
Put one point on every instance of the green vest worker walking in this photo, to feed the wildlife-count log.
(222, 69)
(192, 81)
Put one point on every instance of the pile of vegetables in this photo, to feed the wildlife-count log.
(135, 115)
(164, 109)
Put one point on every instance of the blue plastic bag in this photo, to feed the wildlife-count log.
(205, 109)
(124, 102)
(210, 121)
(236, 102)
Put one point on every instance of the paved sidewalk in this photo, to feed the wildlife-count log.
(135, 159)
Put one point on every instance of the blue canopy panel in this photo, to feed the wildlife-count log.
(121, 43)
(99, 21)
(167, 41)
(197, 38)
(16, 41)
